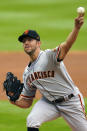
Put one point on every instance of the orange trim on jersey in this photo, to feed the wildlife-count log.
(82, 106)
(28, 96)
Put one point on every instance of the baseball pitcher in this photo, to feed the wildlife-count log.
(47, 73)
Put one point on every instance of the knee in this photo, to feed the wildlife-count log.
(33, 122)
(81, 128)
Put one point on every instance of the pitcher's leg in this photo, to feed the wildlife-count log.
(75, 124)
(42, 111)
(73, 113)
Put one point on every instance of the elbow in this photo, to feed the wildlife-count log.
(27, 106)
(63, 51)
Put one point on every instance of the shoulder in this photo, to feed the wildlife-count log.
(26, 68)
(48, 51)
(25, 71)
(51, 51)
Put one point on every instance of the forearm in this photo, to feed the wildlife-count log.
(70, 39)
(65, 47)
(22, 103)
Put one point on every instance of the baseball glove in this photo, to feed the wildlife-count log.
(13, 86)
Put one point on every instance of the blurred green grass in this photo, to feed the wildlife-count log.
(53, 20)
(13, 118)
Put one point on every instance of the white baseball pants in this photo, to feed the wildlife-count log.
(72, 111)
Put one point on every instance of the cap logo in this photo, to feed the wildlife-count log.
(26, 32)
(37, 37)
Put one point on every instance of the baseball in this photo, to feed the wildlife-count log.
(81, 11)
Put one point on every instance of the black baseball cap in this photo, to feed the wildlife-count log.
(29, 33)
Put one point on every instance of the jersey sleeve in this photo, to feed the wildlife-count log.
(53, 54)
(28, 93)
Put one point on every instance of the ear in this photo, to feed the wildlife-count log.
(39, 43)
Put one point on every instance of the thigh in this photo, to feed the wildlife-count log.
(73, 113)
(43, 111)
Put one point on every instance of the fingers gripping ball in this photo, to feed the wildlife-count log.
(13, 86)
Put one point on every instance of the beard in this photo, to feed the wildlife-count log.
(30, 53)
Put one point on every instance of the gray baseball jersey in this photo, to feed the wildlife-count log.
(49, 76)
(53, 81)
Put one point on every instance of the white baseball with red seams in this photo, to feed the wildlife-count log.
(53, 81)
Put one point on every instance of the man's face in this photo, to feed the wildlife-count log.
(30, 45)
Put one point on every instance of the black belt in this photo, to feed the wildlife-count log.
(62, 99)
